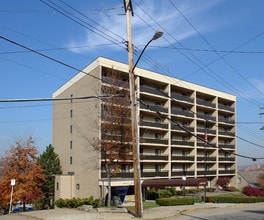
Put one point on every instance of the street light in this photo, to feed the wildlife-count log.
(134, 120)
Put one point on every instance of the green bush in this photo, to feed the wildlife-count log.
(175, 201)
(221, 199)
(164, 193)
(76, 202)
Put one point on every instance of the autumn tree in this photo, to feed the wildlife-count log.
(115, 143)
(20, 163)
(223, 182)
(50, 162)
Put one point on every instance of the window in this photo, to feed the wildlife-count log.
(71, 113)
(71, 97)
(70, 160)
(77, 186)
(141, 150)
(70, 144)
(57, 186)
(71, 129)
(125, 168)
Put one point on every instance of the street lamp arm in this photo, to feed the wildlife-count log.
(157, 35)
(141, 54)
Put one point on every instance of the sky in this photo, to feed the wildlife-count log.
(217, 44)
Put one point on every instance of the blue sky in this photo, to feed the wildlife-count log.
(218, 44)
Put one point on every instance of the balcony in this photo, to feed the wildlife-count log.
(226, 133)
(155, 108)
(182, 113)
(144, 140)
(208, 144)
(182, 173)
(226, 171)
(206, 117)
(226, 107)
(115, 82)
(205, 103)
(155, 91)
(154, 157)
(181, 127)
(207, 172)
(119, 175)
(229, 146)
(109, 137)
(208, 131)
(226, 159)
(226, 120)
(206, 159)
(182, 143)
(154, 174)
(154, 124)
(182, 98)
(183, 158)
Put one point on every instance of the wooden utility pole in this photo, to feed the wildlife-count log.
(134, 122)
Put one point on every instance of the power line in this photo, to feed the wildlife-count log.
(58, 99)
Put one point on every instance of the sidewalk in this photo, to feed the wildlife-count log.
(157, 213)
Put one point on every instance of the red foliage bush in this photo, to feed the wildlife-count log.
(250, 191)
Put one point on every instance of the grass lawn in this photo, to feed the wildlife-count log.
(146, 205)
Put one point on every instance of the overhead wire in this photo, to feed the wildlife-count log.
(211, 46)
(202, 65)
(81, 22)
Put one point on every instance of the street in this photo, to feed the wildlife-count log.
(236, 213)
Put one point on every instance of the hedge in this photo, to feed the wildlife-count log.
(221, 199)
(175, 201)
(77, 202)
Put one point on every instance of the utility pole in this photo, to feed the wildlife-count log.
(134, 122)
(262, 113)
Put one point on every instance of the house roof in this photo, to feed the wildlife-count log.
(174, 182)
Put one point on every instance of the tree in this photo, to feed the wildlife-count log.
(223, 182)
(50, 162)
(115, 143)
(21, 164)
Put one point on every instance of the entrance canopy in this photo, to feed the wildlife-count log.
(161, 183)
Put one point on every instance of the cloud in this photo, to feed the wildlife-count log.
(149, 16)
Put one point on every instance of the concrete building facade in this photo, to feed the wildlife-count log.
(185, 130)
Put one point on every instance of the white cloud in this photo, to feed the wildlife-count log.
(155, 15)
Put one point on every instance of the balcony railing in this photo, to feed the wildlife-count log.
(182, 113)
(226, 159)
(208, 144)
(182, 158)
(206, 117)
(154, 108)
(154, 124)
(153, 157)
(154, 174)
(182, 143)
(182, 173)
(182, 97)
(155, 91)
(108, 137)
(208, 131)
(176, 127)
(207, 172)
(153, 140)
(116, 82)
(226, 133)
(119, 175)
(226, 171)
(229, 146)
(226, 120)
(226, 107)
(207, 159)
(205, 103)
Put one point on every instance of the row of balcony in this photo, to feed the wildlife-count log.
(173, 173)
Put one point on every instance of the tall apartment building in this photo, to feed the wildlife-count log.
(175, 118)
